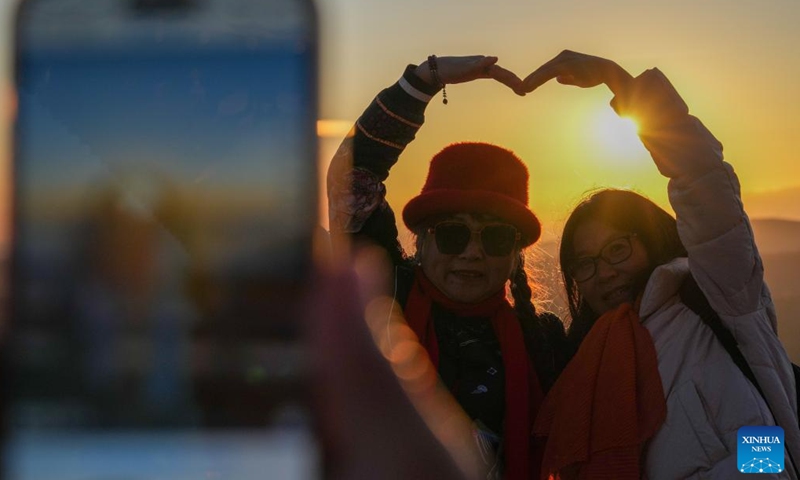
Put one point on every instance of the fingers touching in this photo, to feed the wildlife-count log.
(506, 77)
(568, 68)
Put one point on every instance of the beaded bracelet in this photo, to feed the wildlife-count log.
(434, 68)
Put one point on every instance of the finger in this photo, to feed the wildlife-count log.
(359, 402)
(566, 79)
(487, 61)
(506, 77)
(552, 68)
(539, 77)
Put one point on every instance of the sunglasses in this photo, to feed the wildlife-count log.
(497, 239)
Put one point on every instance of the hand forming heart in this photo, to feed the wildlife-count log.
(568, 68)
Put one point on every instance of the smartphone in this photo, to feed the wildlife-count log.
(164, 202)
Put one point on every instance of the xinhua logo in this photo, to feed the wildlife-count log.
(760, 450)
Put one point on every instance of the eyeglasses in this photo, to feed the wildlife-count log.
(497, 239)
(614, 252)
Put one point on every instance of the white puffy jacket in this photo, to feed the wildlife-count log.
(708, 398)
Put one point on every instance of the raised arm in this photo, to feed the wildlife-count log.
(356, 193)
(703, 189)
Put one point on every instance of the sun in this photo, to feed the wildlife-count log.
(617, 136)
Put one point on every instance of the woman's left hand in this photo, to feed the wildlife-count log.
(469, 68)
(581, 70)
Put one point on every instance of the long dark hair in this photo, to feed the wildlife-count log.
(622, 210)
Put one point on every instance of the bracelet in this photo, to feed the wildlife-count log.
(434, 68)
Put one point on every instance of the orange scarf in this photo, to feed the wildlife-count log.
(605, 405)
(523, 393)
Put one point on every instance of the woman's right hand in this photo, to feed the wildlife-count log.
(467, 69)
(580, 70)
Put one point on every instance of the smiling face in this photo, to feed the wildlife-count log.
(611, 285)
(472, 275)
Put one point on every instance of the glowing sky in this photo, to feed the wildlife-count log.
(734, 61)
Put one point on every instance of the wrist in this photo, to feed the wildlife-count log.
(619, 80)
(423, 72)
(416, 87)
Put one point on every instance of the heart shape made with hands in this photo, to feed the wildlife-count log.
(568, 68)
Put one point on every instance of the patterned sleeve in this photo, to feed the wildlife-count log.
(356, 192)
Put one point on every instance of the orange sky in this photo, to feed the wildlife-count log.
(734, 61)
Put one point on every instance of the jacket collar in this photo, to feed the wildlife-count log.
(664, 284)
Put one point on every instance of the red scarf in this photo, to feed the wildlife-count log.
(605, 405)
(523, 393)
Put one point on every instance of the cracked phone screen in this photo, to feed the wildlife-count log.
(164, 200)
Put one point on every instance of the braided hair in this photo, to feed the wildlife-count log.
(544, 332)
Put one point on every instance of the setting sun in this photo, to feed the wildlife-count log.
(617, 136)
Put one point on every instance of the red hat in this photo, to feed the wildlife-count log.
(476, 178)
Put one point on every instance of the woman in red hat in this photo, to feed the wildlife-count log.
(472, 223)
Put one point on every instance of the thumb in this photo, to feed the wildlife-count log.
(488, 61)
(566, 79)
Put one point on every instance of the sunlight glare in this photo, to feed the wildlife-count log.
(617, 136)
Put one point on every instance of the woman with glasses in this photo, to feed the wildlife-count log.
(472, 223)
(587, 248)
(652, 391)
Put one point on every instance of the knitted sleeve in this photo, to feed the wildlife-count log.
(356, 192)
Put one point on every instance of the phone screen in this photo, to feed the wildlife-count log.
(164, 203)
